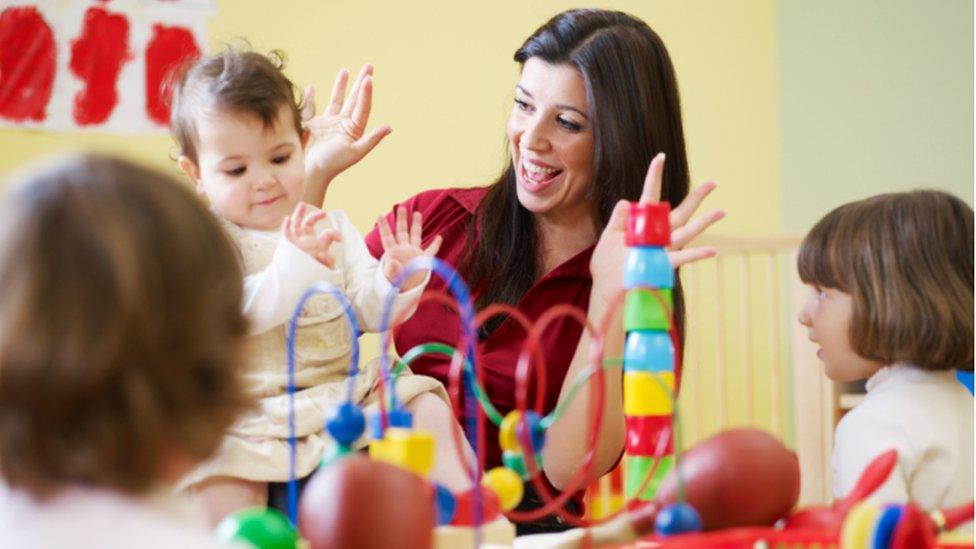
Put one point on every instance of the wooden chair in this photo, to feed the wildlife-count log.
(748, 361)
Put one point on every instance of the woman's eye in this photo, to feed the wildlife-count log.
(235, 171)
(522, 105)
(569, 124)
(281, 159)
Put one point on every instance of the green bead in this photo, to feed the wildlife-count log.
(337, 452)
(516, 462)
(644, 311)
(259, 528)
(637, 469)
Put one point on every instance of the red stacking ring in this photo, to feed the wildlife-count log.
(648, 224)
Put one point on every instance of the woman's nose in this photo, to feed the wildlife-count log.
(534, 135)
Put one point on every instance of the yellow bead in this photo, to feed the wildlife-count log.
(412, 450)
(506, 484)
(507, 436)
(644, 396)
(858, 528)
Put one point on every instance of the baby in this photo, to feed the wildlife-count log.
(242, 143)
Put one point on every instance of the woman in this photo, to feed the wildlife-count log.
(596, 103)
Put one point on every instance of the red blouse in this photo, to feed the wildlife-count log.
(448, 212)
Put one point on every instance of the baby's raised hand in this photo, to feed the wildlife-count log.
(403, 245)
(337, 138)
(299, 229)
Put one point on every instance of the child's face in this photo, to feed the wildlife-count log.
(827, 315)
(254, 176)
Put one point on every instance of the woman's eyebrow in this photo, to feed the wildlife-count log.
(560, 106)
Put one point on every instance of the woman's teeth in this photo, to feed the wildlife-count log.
(539, 173)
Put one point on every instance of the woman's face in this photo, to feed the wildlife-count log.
(551, 139)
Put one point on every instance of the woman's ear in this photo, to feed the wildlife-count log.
(306, 133)
(191, 170)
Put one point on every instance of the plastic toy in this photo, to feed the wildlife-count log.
(737, 483)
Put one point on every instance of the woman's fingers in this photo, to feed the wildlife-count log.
(353, 98)
(684, 211)
(308, 104)
(360, 113)
(681, 236)
(683, 257)
(338, 92)
(652, 181)
(369, 141)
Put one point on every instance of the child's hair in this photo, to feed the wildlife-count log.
(120, 327)
(235, 81)
(906, 259)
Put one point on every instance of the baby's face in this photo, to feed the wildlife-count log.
(254, 176)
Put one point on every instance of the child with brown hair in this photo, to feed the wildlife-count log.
(242, 142)
(120, 337)
(892, 303)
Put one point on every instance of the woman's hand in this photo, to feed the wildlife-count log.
(402, 246)
(299, 229)
(608, 258)
(336, 139)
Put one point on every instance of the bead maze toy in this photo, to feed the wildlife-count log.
(727, 491)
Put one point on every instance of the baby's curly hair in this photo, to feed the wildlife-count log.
(237, 81)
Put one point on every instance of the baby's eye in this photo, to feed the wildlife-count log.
(569, 124)
(234, 172)
(281, 159)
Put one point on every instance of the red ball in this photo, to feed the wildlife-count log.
(358, 502)
(739, 477)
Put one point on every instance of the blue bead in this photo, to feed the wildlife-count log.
(649, 351)
(346, 423)
(648, 266)
(885, 528)
(396, 418)
(445, 505)
(677, 518)
(536, 433)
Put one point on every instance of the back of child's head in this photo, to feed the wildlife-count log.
(906, 259)
(236, 82)
(120, 327)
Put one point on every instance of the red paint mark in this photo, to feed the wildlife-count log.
(97, 56)
(168, 49)
(27, 64)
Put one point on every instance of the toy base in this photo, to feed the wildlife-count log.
(497, 532)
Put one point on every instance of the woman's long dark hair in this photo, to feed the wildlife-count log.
(635, 111)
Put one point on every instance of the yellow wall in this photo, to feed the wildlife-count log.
(444, 81)
(444, 78)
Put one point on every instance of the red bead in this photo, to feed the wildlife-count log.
(648, 224)
(464, 511)
(644, 432)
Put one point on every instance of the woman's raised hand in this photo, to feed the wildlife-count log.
(608, 258)
(337, 138)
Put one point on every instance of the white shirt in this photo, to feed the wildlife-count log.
(270, 295)
(928, 418)
(82, 518)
